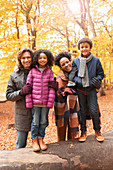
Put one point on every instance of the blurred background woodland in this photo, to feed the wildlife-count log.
(56, 25)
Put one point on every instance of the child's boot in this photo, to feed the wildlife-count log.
(35, 144)
(99, 136)
(43, 146)
(83, 136)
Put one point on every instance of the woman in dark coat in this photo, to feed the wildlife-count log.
(16, 91)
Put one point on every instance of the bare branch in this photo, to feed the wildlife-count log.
(58, 30)
(106, 28)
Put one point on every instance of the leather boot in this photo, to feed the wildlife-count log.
(35, 144)
(43, 146)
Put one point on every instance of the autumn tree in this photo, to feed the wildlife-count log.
(54, 25)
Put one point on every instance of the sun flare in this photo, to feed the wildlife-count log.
(74, 6)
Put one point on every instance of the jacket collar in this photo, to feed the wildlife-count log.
(44, 68)
(17, 69)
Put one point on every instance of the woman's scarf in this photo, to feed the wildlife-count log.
(83, 70)
(66, 74)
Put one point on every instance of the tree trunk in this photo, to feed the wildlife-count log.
(28, 28)
(17, 27)
(67, 37)
(90, 19)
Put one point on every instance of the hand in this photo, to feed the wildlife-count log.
(53, 84)
(96, 82)
(27, 89)
(68, 90)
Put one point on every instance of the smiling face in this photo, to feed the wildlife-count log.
(42, 60)
(65, 64)
(85, 49)
(26, 60)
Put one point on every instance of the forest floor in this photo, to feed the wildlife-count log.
(8, 136)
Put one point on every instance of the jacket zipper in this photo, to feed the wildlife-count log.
(42, 88)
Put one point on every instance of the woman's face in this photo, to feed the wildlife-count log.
(26, 60)
(65, 64)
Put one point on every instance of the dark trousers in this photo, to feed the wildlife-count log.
(89, 99)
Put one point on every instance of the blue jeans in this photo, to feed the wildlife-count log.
(39, 122)
(89, 99)
(21, 139)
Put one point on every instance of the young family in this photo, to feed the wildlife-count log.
(33, 88)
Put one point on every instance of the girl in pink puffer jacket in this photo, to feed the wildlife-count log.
(42, 97)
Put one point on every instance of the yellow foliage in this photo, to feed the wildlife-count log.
(52, 22)
(56, 70)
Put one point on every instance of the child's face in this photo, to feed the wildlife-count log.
(65, 64)
(85, 49)
(42, 60)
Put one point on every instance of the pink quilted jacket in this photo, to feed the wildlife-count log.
(41, 93)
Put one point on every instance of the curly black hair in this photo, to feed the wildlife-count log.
(85, 40)
(61, 55)
(49, 55)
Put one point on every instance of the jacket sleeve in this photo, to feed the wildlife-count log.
(29, 101)
(12, 93)
(99, 71)
(51, 93)
(77, 80)
(73, 72)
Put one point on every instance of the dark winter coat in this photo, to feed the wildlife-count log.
(23, 116)
(94, 70)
